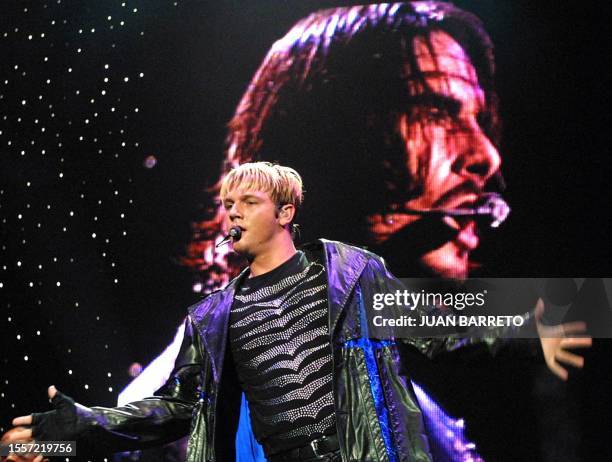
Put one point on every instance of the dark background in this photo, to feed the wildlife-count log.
(196, 58)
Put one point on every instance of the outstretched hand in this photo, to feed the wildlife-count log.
(557, 340)
(21, 434)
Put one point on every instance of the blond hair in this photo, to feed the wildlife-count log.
(283, 184)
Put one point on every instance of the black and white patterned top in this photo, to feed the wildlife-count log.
(280, 345)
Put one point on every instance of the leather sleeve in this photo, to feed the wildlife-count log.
(153, 421)
(493, 338)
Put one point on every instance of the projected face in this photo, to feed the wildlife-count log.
(447, 154)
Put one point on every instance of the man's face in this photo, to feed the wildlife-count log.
(256, 215)
(448, 156)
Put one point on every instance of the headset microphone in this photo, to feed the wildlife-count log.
(235, 233)
(490, 206)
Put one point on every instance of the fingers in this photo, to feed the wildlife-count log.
(20, 434)
(38, 458)
(575, 327)
(562, 330)
(570, 359)
(558, 370)
(22, 420)
(539, 309)
(577, 342)
(51, 391)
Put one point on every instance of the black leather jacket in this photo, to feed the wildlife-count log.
(377, 413)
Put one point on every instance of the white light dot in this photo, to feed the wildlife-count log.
(61, 175)
(109, 17)
(93, 235)
(25, 358)
(18, 337)
(58, 283)
(70, 371)
(109, 389)
(18, 263)
(86, 387)
(141, 74)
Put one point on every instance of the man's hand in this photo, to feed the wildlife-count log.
(21, 434)
(556, 340)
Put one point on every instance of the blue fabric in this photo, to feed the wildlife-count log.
(247, 447)
(369, 346)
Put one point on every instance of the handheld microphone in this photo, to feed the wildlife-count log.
(490, 206)
(235, 233)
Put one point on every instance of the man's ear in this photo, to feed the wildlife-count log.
(286, 213)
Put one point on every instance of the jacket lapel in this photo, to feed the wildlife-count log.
(211, 317)
(344, 266)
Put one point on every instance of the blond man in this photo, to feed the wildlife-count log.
(289, 331)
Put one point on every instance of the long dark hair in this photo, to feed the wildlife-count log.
(326, 101)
